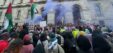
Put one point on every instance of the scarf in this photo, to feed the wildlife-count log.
(52, 44)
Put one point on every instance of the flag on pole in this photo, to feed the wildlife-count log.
(33, 7)
(8, 23)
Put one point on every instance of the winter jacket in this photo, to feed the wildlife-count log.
(27, 48)
(57, 49)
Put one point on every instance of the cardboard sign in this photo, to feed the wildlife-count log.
(43, 24)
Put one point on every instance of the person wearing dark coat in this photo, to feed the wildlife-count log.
(39, 49)
(69, 43)
(35, 38)
(23, 31)
(100, 45)
(83, 44)
(27, 46)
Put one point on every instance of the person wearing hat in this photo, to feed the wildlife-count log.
(15, 46)
(44, 41)
(83, 43)
(42, 44)
(69, 43)
(28, 46)
(23, 30)
(4, 42)
(53, 46)
(75, 33)
(100, 44)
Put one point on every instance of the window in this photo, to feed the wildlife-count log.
(18, 14)
(4, 2)
(12, 1)
(28, 13)
(76, 13)
(98, 10)
(0, 14)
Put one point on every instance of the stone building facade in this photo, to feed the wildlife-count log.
(91, 11)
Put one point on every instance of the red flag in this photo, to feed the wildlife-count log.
(9, 18)
(9, 9)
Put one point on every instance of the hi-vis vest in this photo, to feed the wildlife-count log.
(75, 33)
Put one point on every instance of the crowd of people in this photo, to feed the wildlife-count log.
(57, 39)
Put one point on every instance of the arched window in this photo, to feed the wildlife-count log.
(76, 13)
(18, 15)
(98, 10)
(59, 14)
(28, 13)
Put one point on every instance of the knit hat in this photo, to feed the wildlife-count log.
(53, 41)
(27, 37)
(82, 33)
(52, 36)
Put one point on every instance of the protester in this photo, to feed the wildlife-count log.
(83, 43)
(69, 43)
(39, 48)
(23, 29)
(100, 45)
(54, 47)
(4, 42)
(35, 38)
(57, 39)
(28, 46)
(13, 36)
(44, 41)
(15, 46)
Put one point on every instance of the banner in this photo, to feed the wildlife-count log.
(43, 24)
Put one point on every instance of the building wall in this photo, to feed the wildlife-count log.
(88, 12)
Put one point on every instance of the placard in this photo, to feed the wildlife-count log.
(43, 24)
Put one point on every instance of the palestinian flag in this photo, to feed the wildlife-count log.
(33, 8)
(8, 23)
